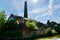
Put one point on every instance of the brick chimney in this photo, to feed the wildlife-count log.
(25, 10)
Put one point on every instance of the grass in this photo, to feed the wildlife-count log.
(56, 37)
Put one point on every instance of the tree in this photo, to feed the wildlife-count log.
(58, 29)
(2, 22)
(2, 18)
(13, 30)
(48, 31)
(12, 25)
(31, 25)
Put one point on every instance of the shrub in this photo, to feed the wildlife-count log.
(31, 25)
(54, 32)
(58, 29)
(48, 31)
(2, 19)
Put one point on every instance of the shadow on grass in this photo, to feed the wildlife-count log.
(27, 38)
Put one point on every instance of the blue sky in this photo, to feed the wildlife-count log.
(40, 10)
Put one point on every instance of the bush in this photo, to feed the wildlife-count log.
(12, 25)
(48, 32)
(12, 30)
(54, 32)
(8, 33)
(31, 25)
(58, 29)
(2, 19)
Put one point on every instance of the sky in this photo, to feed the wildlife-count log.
(39, 10)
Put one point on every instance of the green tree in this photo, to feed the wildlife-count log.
(58, 29)
(12, 25)
(48, 31)
(31, 25)
(2, 18)
(13, 30)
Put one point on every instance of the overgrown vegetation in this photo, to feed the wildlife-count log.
(2, 19)
(12, 29)
(58, 29)
(31, 25)
(50, 32)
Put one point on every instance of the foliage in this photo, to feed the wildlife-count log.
(15, 33)
(12, 30)
(48, 31)
(12, 25)
(58, 29)
(54, 31)
(2, 18)
(31, 25)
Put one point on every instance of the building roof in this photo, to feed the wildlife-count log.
(16, 16)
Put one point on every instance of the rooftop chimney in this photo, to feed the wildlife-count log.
(25, 10)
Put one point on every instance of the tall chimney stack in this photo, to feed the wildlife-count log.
(25, 10)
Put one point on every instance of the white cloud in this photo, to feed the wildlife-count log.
(15, 4)
(43, 11)
(34, 1)
(21, 14)
(55, 7)
(18, 5)
(48, 12)
(51, 2)
(39, 10)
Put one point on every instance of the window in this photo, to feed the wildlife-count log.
(56, 25)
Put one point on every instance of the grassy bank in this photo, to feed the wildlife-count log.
(56, 37)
